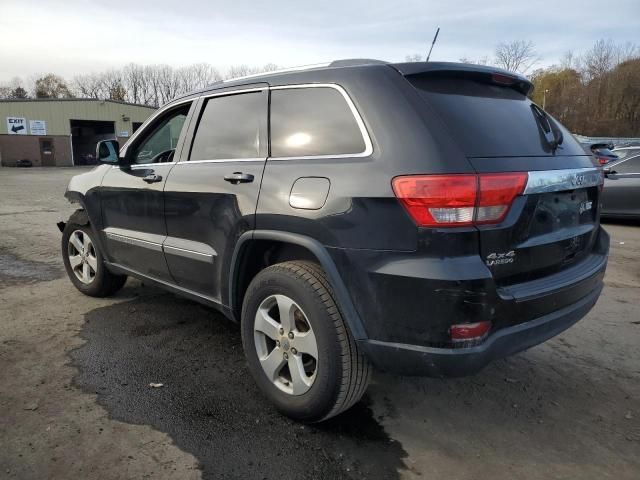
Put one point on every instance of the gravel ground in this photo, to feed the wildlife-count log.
(76, 402)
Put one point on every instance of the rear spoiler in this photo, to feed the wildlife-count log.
(479, 73)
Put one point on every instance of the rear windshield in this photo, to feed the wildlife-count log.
(489, 120)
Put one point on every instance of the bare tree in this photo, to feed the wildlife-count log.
(599, 59)
(236, 71)
(87, 86)
(480, 61)
(568, 60)
(146, 84)
(416, 57)
(516, 56)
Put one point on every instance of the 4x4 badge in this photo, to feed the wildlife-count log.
(500, 258)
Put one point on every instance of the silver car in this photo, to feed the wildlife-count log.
(621, 195)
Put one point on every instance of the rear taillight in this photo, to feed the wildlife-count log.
(602, 160)
(458, 200)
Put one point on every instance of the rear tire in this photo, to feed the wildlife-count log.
(84, 263)
(300, 386)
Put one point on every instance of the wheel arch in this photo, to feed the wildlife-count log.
(257, 249)
(83, 216)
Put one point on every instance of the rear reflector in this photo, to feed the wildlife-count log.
(469, 331)
(458, 200)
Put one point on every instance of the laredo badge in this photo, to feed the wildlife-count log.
(500, 258)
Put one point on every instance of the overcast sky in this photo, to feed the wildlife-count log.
(78, 36)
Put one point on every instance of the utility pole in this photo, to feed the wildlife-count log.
(433, 43)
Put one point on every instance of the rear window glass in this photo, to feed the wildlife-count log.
(489, 120)
(232, 126)
(313, 121)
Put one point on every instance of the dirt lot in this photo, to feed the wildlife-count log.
(75, 400)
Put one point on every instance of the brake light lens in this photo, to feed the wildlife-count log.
(602, 160)
(469, 331)
(458, 200)
(502, 79)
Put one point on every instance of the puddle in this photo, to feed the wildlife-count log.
(14, 270)
(209, 403)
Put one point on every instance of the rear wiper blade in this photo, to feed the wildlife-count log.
(548, 127)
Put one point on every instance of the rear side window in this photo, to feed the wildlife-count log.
(489, 120)
(313, 121)
(232, 126)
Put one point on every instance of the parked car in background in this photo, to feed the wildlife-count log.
(626, 152)
(24, 163)
(601, 151)
(424, 218)
(621, 194)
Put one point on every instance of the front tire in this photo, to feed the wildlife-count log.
(84, 263)
(298, 347)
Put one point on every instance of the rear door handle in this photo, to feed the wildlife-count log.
(152, 178)
(239, 177)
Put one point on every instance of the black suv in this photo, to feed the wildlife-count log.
(425, 218)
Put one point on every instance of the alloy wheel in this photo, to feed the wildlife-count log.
(286, 345)
(82, 256)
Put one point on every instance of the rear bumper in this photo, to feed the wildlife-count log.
(407, 359)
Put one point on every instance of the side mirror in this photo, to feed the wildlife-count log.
(107, 151)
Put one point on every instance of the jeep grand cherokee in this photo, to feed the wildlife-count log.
(424, 218)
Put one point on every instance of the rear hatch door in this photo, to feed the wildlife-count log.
(553, 224)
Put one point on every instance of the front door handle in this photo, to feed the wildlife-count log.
(239, 177)
(152, 178)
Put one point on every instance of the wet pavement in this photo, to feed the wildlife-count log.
(209, 403)
(14, 270)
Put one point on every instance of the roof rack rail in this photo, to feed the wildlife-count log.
(355, 62)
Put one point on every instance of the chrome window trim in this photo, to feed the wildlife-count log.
(368, 150)
(223, 160)
(354, 111)
(233, 92)
(542, 181)
(140, 166)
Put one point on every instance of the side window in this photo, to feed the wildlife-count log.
(628, 166)
(232, 126)
(313, 121)
(159, 144)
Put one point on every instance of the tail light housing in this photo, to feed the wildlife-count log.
(460, 199)
(602, 160)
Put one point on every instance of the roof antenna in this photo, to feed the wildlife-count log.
(435, 37)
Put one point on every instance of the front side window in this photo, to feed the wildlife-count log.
(232, 127)
(313, 121)
(159, 145)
